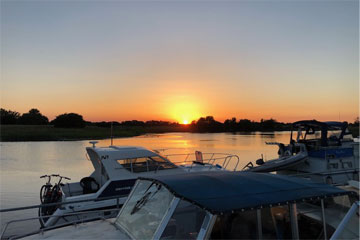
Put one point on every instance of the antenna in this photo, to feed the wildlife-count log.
(111, 134)
(93, 143)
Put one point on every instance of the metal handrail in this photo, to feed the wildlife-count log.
(61, 203)
(211, 160)
(56, 226)
(345, 220)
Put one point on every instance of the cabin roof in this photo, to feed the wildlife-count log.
(123, 152)
(221, 192)
(313, 123)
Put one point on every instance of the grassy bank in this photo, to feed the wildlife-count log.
(49, 133)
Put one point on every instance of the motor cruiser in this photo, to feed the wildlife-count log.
(321, 151)
(116, 170)
(225, 205)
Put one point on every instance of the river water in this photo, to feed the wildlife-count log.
(21, 163)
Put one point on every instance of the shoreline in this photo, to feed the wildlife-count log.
(38, 133)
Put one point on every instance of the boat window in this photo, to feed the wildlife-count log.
(348, 137)
(185, 223)
(333, 137)
(163, 164)
(310, 219)
(280, 222)
(240, 225)
(145, 164)
(275, 224)
(310, 135)
(333, 134)
(144, 210)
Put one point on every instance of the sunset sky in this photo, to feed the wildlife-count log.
(180, 60)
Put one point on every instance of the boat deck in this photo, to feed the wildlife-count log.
(102, 229)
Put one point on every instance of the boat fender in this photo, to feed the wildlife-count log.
(281, 149)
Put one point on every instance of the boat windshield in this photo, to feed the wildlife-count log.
(142, 214)
(332, 137)
(145, 164)
(185, 223)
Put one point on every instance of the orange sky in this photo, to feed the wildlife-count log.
(182, 60)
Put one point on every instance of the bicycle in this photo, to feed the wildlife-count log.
(50, 194)
(56, 190)
(45, 190)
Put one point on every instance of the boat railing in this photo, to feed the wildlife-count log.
(211, 160)
(64, 203)
(58, 204)
(42, 230)
(352, 213)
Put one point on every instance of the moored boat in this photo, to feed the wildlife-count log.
(321, 151)
(116, 169)
(221, 205)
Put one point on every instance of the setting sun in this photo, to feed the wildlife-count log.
(183, 110)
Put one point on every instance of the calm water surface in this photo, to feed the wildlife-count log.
(21, 163)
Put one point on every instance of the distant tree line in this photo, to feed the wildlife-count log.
(34, 117)
(69, 120)
(203, 124)
(134, 123)
(209, 124)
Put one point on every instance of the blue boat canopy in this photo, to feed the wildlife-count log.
(331, 125)
(221, 192)
(324, 127)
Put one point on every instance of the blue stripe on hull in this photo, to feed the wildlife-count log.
(332, 153)
(120, 187)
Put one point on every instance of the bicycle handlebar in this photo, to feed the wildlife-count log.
(55, 175)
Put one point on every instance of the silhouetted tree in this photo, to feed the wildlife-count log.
(153, 123)
(33, 117)
(105, 124)
(8, 116)
(133, 123)
(268, 125)
(230, 125)
(69, 120)
(246, 125)
(356, 122)
(208, 124)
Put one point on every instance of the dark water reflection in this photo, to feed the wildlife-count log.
(21, 163)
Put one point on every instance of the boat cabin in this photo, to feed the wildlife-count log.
(232, 205)
(114, 163)
(122, 165)
(320, 134)
(116, 169)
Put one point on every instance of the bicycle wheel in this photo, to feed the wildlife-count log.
(42, 193)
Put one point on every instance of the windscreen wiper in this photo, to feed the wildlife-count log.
(144, 199)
